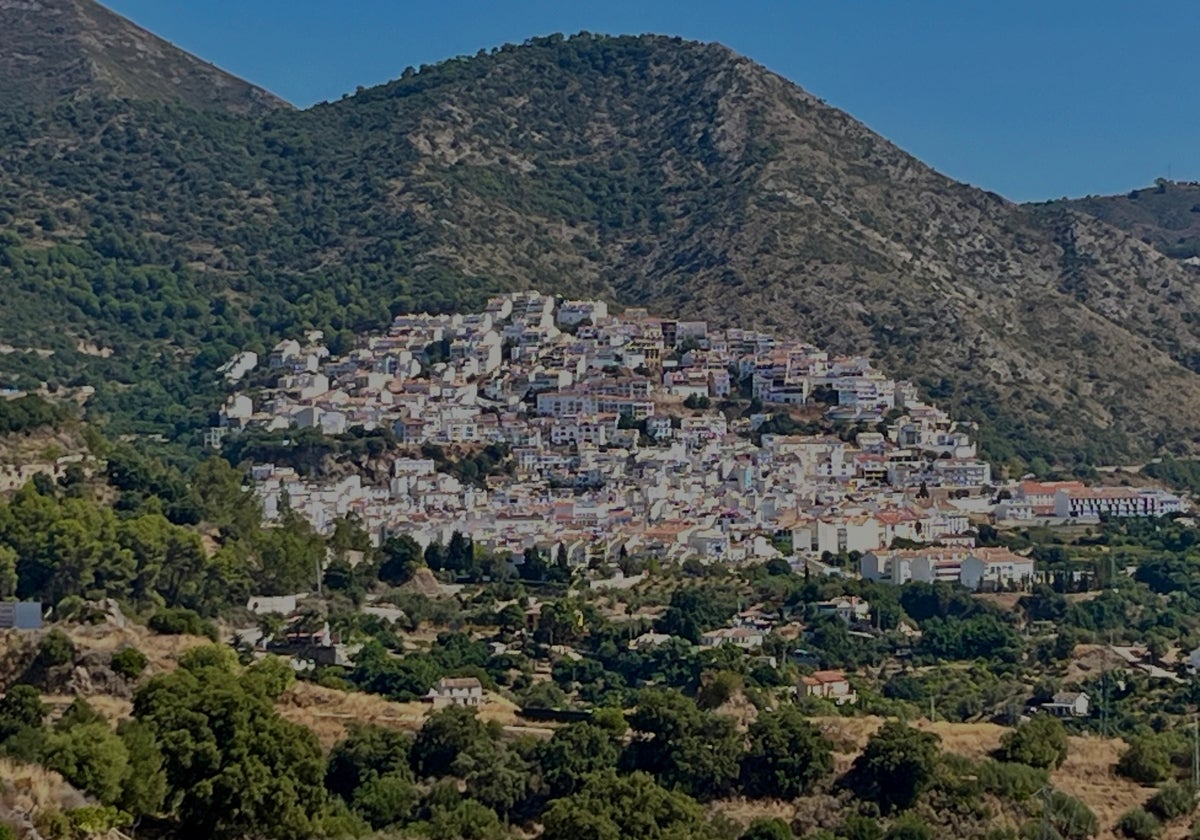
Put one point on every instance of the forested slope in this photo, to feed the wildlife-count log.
(647, 170)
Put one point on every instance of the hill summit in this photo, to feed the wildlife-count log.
(646, 170)
(52, 50)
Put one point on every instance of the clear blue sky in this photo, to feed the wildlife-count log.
(1030, 98)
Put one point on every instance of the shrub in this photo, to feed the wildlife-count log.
(386, 800)
(858, 827)
(1042, 742)
(1172, 800)
(52, 825)
(1070, 817)
(55, 648)
(91, 757)
(178, 621)
(129, 663)
(1016, 782)
(908, 827)
(763, 828)
(1146, 761)
(897, 765)
(1139, 824)
(20, 708)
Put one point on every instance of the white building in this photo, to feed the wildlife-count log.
(456, 691)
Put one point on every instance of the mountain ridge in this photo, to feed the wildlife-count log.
(52, 50)
(645, 169)
(1165, 216)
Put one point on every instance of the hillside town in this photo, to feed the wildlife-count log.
(639, 435)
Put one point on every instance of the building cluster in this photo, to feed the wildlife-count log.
(633, 435)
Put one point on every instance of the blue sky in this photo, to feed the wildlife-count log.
(1030, 98)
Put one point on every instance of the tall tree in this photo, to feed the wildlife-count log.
(787, 755)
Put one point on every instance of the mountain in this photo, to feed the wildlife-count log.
(1166, 215)
(143, 242)
(52, 50)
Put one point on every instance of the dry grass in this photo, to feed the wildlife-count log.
(327, 712)
(1006, 601)
(163, 652)
(1088, 772)
(26, 788)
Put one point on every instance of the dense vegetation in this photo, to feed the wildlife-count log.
(183, 548)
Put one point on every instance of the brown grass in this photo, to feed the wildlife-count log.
(1089, 775)
(327, 712)
(1088, 772)
(163, 652)
(26, 788)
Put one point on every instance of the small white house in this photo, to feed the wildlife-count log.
(1068, 704)
(456, 691)
(829, 685)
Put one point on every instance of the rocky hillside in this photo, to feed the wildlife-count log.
(648, 170)
(1166, 215)
(52, 50)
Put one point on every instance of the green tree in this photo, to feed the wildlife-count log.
(1147, 760)
(683, 746)
(233, 765)
(91, 757)
(144, 788)
(446, 733)
(386, 800)
(786, 757)
(8, 571)
(290, 555)
(767, 828)
(465, 820)
(859, 827)
(633, 807)
(129, 662)
(897, 765)
(1040, 742)
(401, 559)
(495, 775)
(367, 752)
(21, 708)
(79, 712)
(572, 754)
(55, 649)
(694, 609)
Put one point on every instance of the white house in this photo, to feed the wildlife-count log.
(995, 568)
(829, 685)
(456, 691)
(743, 637)
(1068, 704)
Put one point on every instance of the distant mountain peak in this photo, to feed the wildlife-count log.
(55, 50)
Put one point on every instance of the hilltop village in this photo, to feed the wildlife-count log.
(612, 436)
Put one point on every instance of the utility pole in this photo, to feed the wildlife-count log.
(1195, 754)
(1104, 692)
(1045, 832)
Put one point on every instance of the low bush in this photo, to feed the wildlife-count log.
(177, 621)
(1139, 824)
(1172, 800)
(129, 663)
